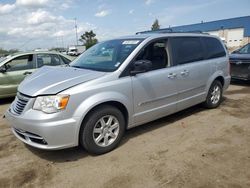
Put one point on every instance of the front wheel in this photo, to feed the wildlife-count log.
(214, 96)
(102, 130)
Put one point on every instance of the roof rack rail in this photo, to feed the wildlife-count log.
(169, 30)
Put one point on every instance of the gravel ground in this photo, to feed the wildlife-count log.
(193, 148)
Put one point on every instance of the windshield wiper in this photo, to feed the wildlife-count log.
(77, 67)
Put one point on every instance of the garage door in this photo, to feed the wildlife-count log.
(235, 37)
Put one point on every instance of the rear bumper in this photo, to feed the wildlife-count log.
(240, 70)
(241, 77)
(227, 81)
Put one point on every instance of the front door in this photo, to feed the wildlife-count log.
(154, 91)
(16, 70)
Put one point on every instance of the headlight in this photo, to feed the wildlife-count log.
(51, 104)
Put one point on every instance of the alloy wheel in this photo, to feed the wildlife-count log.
(106, 130)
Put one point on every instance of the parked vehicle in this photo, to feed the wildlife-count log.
(76, 50)
(240, 63)
(116, 85)
(14, 68)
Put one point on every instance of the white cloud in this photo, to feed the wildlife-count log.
(131, 11)
(148, 2)
(65, 6)
(102, 13)
(14, 31)
(32, 3)
(38, 24)
(7, 8)
(40, 17)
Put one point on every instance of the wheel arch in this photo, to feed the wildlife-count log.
(90, 104)
(216, 76)
(113, 103)
(220, 79)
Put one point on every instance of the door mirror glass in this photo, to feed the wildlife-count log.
(3, 69)
(141, 66)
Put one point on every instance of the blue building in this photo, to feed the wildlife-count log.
(234, 32)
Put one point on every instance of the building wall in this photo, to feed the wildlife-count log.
(233, 38)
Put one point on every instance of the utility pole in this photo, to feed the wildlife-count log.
(62, 42)
(76, 32)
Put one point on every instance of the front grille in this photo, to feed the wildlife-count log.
(30, 137)
(19, 103)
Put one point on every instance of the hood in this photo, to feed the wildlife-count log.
(51, 80)
(239, 56)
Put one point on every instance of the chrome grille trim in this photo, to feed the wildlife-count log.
(19, 104)
(30, 137)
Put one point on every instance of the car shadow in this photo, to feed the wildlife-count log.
(60, 156)
(240, 82)
(165, 121)
(76, 153)
(6, 100)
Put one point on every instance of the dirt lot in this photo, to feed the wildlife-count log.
(193, 148)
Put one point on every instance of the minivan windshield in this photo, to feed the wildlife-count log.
(106, 56)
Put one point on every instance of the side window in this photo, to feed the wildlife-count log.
(47, 59)
(214, 48)
(187, 50)
(65, 60)
(157, 53)
(21, 63)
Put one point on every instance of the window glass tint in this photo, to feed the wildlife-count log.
(214, 48)
(20, 63)
(187, 50)
(48, 59)
(244, 50)
(155, 52)
(65, 60)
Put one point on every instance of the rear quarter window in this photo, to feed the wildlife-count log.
(214, 48)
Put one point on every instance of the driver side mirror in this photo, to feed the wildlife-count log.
(141, 66)
(3, 69)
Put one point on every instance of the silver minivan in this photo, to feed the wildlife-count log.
(116, 85)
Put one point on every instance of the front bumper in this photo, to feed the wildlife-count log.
(50, 133)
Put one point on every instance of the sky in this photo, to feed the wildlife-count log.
(30, 24)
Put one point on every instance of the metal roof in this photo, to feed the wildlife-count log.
(239, 22)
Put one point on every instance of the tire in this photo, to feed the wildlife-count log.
(102, 130)
(214, 96)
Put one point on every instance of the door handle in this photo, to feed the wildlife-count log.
(26, 73)
(172, 75)
(185, 73)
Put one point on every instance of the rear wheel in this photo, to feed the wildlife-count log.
(102, 130)
(214, 96)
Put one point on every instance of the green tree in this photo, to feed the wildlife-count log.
(88, 39)
(155, 25)
(4, 52)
